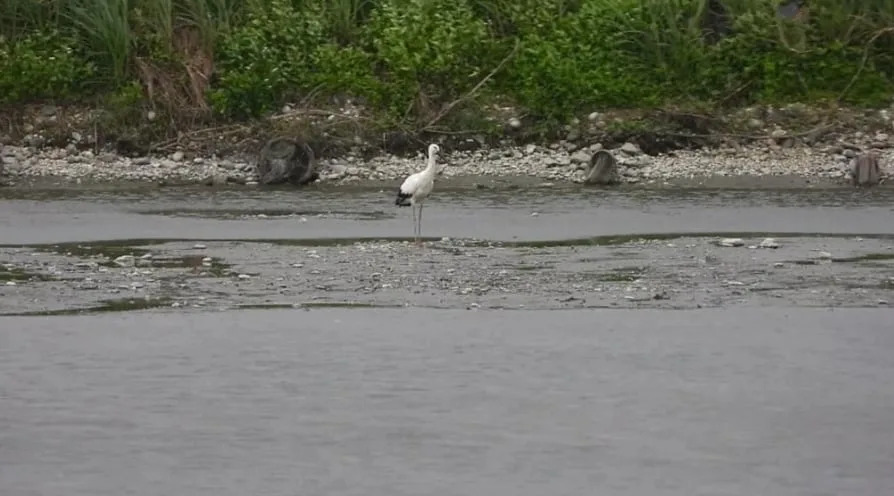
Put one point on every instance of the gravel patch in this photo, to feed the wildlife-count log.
(563, 161)
(684, 272)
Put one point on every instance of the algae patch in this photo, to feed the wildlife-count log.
(106, 252)
(8, 273)
(116, 305)
(262, 214)
(311, 305)
(869, 257)
(621, 274)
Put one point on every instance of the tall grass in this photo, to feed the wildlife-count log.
(105, 28)
(20, 17)
(154, 22)
(209, 17)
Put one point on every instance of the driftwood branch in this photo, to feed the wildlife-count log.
(446, 110)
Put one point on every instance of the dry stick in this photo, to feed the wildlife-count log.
(474, 90)
(864, 60)
(313, 92)
(735, 92)
(220, 131)
(821, 127)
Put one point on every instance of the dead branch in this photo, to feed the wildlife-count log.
(864, 60)
(446, 110)
(742, 87)
(822, 127)
(226, 130)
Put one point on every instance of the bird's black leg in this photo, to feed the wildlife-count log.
(420, 220)
(414, 221)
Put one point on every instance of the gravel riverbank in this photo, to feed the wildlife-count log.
(560, 162)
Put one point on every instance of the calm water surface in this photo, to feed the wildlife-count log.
(408, 402)
(561, 213)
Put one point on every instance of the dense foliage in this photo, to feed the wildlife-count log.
(408, 58)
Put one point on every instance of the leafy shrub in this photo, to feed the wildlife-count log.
(630, 53)
(43, 65)
(583, 61)
(512, 18)
(267, 59)
(435, 48)
(346, 69)
(410, 57)
(761, 59)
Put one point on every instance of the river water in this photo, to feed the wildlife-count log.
(561, 342)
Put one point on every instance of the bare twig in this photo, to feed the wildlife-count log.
(742, 87)
(317, 112)
(310, 96)
(822, 127)
(864, 60)
(436, 130)
(217, 131)
(446, 110)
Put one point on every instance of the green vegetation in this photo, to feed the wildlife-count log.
(409, 60)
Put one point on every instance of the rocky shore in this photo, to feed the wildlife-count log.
(779, 154)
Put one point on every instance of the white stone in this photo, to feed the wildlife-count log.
(730, 242)
(580, 157)
(125, 261)
(768, 243)
(630, 149)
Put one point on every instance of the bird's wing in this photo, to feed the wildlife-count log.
(411, 183)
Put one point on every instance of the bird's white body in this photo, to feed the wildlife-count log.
(417, 187)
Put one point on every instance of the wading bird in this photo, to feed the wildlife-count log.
(416, 188)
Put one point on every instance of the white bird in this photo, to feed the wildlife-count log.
(416, 188)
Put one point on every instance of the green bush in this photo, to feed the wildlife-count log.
(582, 62)
(518, 18)
(408, 58)
(42, 65)
(627, 53)
(266, 60)
(437, 49)
(780, 62)
(347, 70)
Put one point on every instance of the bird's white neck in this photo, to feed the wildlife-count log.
(431, 165)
